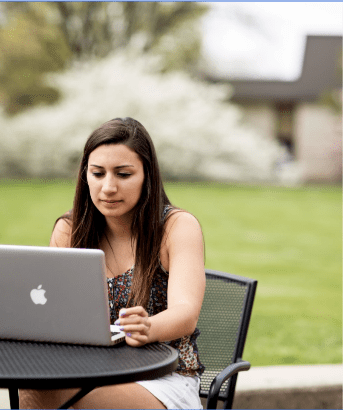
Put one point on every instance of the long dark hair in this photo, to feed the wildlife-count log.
(88, 224)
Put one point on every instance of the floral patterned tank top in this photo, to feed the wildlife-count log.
(118, 293)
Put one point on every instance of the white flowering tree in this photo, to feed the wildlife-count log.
(196, 134)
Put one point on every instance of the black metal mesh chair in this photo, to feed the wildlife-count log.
(223, 323)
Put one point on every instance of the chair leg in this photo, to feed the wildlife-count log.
(228, 403)
(14, 398)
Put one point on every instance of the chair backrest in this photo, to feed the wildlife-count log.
(223, 323)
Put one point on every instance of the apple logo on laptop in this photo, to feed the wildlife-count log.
(37, 296)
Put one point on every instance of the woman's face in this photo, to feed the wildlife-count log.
(115, 177)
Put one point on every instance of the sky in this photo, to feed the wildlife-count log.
(264, 39)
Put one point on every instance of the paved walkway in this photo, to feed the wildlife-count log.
(270, 377)
(276, 377)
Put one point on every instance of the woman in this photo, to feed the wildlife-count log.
(154, 264)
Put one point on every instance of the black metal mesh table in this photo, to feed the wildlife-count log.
(31, 365)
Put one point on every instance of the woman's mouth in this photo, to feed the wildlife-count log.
(110, 202)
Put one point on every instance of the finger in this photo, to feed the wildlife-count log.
(133, 320)
(136, 339)
(136, 310)
(134, 343)
(141, 329)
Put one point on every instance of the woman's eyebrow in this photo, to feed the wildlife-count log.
(118, 167)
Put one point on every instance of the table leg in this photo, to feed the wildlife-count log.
(78, 396)
(14, 398)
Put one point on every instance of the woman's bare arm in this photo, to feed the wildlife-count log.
(186, 287)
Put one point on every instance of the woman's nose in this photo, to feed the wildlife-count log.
(109, 186)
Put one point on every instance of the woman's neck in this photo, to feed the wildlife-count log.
(118, 228)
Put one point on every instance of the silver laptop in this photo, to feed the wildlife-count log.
(55, 295)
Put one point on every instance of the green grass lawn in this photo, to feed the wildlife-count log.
(287, 239)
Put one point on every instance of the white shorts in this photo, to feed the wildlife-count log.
(175, 391)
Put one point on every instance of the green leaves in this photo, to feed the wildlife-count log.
(41, 37)
(30, 47)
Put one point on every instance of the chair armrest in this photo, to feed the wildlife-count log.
(221, 378)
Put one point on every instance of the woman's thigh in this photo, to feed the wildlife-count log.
(44, 399)
(122, 396)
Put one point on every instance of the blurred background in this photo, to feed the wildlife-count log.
(239, 92)
(244, 104)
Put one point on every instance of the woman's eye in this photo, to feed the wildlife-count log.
(97, 174)
(123, 175)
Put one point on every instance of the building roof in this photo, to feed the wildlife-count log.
(321, 72)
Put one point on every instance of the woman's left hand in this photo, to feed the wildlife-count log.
(135, 322)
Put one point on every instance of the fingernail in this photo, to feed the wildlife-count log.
(121, 328)
(122, 313)
(117, 322)
(128, 334)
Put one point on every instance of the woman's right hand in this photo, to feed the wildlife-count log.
(136, 324)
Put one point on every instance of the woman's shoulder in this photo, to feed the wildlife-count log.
(182, 233)
(179, 220)
(172, 212)
(61, 234)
